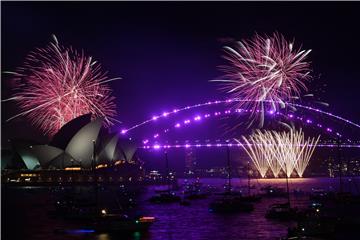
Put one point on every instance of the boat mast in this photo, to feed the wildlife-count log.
(287, 185)
(167, 170)
(228, 168)
(340, 165)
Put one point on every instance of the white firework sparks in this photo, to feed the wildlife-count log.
(280, 151)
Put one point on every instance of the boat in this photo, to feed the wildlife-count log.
(90, 215)
(230, 204)
(270, 191)
(111, 223)
(194, 191)
(230, 201)
(250, 197)
(331, 215)
(320, 194)
(121, 223)
(281, 211)
(165, 195)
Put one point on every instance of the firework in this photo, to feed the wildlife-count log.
(268, 153)
(258, 153)
(305, 156)
(287, 149)
(280, 151)
(57, 84)
(266, 72)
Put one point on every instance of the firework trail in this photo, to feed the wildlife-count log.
(280, 151)
(266, 70)
(57, 84)
(259, 154)
(306, 153)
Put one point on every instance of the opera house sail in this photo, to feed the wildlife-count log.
(80, 148)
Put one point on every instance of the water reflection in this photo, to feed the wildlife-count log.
(25, 215)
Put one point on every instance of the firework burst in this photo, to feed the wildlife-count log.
(57, 84)
(266, 72)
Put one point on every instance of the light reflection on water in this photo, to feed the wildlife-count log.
(26, 214)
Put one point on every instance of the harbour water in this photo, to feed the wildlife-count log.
(26, 210)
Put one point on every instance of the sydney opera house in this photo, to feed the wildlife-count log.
(79, 149)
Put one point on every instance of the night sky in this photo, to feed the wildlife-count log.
(167, 52)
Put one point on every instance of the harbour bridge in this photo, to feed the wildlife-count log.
(335, 130)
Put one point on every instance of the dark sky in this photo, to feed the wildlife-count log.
(167, 52)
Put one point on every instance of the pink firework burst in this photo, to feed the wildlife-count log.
(265, 72)
(57, 84)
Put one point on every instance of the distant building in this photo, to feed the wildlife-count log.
(190, 162)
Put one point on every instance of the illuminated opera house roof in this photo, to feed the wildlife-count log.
(74, 145)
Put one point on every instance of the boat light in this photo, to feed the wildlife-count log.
(146, 219)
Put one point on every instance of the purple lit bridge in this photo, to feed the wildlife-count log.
(335, 130)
